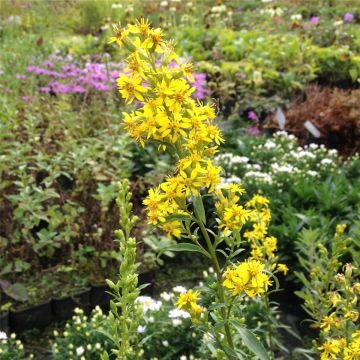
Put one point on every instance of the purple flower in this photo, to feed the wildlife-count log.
(314, 20)
(252, 116)
(253, 130)
(48, 64)
(199, 83)
(20, 76)
(349, 17)
(44, 89)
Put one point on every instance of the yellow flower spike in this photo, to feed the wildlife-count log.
(214, 134)
(157, 206)
(248, 277)
(328, 321)
(131, 88)
(173, 187)
(211, 176)
(187, 299)
(258, 285)
(188, 71)
(172, 228)
(283, 268)
(254, 267)
(136, 66)
(188, 161)
(353, 315)
(120, 35)
(235, 189)
(171, 128)
(141, 27)
(258, 201)
(180, 96)
(270, 246)
(155, 40)
(330, 349)
(340, 229)
(235, 217)
(188, 302)
(170, 53)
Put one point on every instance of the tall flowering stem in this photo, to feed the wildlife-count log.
(167, 115)
(331, 294)
(125, 314)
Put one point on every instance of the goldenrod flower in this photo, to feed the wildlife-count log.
(131, 88)
(258, 200)
(154, 40)
(188, 70)
(328, 321)
(188, 302)
(120, 35)
(340, 229)
(330, 349)
(173, 127)
(211, 176)
(235, 217)
(352, 351)
(188, 298)
(156, 205)
(141, 27)
(283, 268)
(136, 65)
(172, 228)
(249, 277)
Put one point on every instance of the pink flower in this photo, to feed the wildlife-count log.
(20, 76)
(252, 116)
(253, 130)
(314, 20)
(349, 17)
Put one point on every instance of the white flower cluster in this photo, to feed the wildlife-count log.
(279, 161)
(11, 345)
(148, 303)
(80, 326)
(277, 11)
(218, 9)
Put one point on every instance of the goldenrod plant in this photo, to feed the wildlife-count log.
(331, 294)
(125, 313)
(160, 86)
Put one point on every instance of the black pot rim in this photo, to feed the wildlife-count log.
(85, 290)
(46, 302)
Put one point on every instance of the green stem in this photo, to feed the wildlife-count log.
(270, 334)
(220, 288)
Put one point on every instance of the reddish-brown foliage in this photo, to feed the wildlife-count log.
(335, 112)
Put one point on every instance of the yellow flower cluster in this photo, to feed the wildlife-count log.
(255, 211)
(248, 277)
(188, 301)
(343, 318)
(339, 348)
(168, 116)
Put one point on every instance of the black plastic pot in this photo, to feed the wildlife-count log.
(38, 316)
(4, 321)
(63, 308)
(100, 296)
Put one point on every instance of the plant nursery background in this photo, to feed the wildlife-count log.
(283, 81)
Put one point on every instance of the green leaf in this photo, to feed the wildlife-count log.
(188, 247)
(180, 217)
(199, 208)
(353, 73)
(251, 342)
(17, 292)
